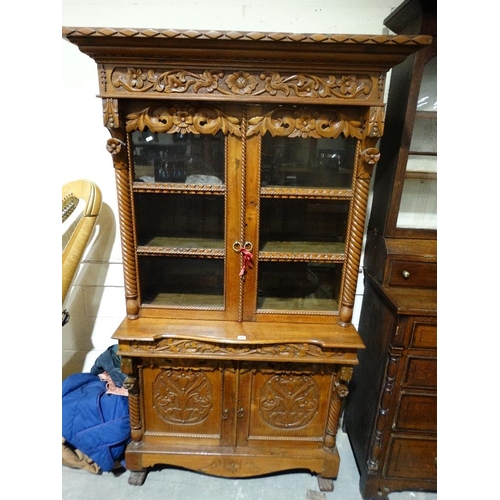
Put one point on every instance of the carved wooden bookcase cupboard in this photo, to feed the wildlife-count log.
(391, 414)
(243, 164)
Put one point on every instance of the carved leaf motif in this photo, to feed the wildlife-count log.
(344, 87)
(137, 80)
(304, 123)
(183, 118)
(174, 81)
(110, 113)
(182, 396)
(289, 401)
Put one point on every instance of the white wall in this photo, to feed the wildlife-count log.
(96, 301)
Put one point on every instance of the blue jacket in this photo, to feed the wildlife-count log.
(94, 422)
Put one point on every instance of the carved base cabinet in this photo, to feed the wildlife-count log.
(243, 164)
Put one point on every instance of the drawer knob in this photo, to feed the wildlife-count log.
(406, 274)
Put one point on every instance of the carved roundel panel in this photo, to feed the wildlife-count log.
(182, 396)
(289, 401)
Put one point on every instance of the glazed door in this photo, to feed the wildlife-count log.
(185, 195)
(242, 213)
(298, 210)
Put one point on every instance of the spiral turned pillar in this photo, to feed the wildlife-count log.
(118, 149)
(339, 392)
(369, 158)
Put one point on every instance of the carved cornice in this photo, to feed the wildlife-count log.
(251, 36)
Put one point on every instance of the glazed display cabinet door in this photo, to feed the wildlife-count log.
(243, 214)
(183, 217)
(299, 210)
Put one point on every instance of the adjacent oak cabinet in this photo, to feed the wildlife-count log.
(243, 164)
(391, 413)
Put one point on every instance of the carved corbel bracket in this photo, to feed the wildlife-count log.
(110, 113)
(369, 158)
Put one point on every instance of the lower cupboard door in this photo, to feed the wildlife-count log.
(287, 406)
(183, 404)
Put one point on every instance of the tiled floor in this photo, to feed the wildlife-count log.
(172, 484)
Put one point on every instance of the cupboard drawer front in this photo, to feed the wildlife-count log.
(405, 273)
(412, 458)
(420, 372)
(424, 335)
(416, 412)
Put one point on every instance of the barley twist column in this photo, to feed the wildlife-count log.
(369, 158)
(340, 391)
(243, 202)
(118, 149)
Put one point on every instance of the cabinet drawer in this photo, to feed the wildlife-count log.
(416, 412)
(407, 273)
(412, 458)
(420, 372)
(424, 335)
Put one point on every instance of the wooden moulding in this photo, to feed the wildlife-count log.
(287, 342)
(236, 66)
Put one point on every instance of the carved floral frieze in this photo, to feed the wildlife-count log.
(173, 346)
(242, 83)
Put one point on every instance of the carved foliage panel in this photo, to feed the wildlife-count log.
(289, 402)
(241, 84)
(183, 400)
(279, 122)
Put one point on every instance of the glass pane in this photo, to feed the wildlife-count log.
(309, 226)
(424, 137)
(418, 207)
(307, 162)
(186, 221)
(299, 286)
(422, 163)
(181, 282)
(186, 158)
(427, 97)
